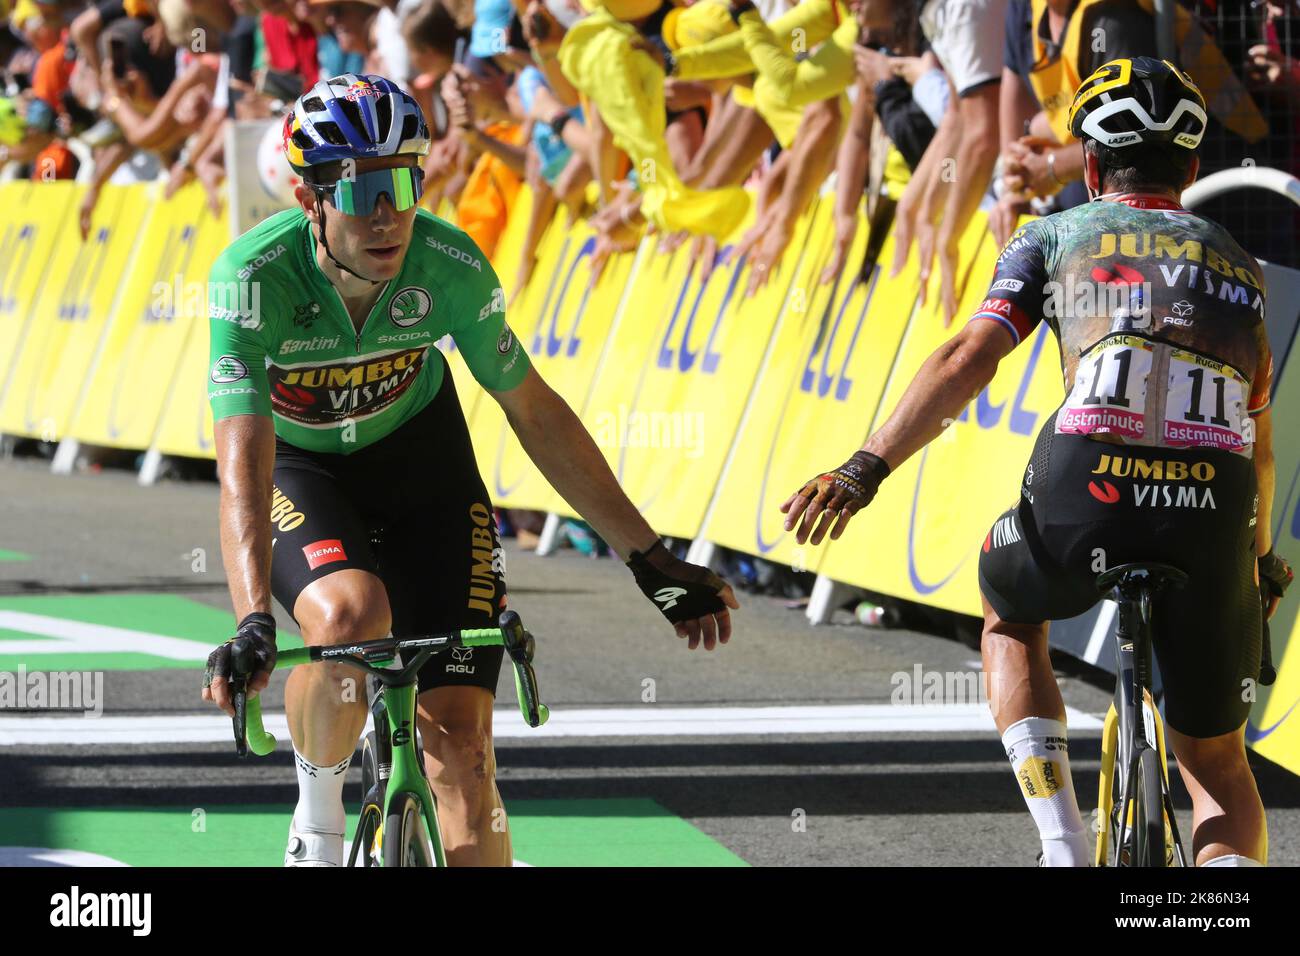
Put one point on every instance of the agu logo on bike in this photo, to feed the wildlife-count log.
(409, 306)
(324, 552)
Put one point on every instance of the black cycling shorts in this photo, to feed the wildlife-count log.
(1087, 505)
(410, 508)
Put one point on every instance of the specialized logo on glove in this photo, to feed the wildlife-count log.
(681, 591)
(668, 596)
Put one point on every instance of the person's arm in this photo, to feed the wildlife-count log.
(84, 33)
(160, 126)
(953, 375)
(806, 165)
(239, 393)
(515, 157)
(107, 159)
(827, 73)
(569, 459)
(1265, 481)
(851, 178)
(245, 461)
(923, 195)
(976, 152)
(811, 22)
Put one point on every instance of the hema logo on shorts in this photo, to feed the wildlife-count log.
(325, 551)
(75, 909)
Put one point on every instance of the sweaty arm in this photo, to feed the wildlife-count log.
(245, 459)
(945, 384)
(239, 394)
(1259, 410)
(568, 458)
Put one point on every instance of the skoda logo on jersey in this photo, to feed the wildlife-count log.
(228, 369)
(409, 306)
(505, 341)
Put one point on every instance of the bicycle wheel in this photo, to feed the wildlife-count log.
(372, 814)
(406, 839)
(1149, 812)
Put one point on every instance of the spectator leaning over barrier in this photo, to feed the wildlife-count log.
(605, 56)
(883, 153)
(943, 195)
(1050, 45)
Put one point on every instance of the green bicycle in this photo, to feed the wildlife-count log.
(398, 822)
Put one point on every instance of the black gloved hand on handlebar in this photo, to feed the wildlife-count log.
(259, 629)
(1275, 575)
(680, 590)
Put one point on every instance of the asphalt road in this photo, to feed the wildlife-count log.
(891, 791)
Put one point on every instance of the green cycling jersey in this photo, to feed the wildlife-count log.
(282, 343)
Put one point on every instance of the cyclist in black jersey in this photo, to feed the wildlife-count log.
(1161, 451)
(349, 489)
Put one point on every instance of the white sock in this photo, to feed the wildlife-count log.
(320, 796)
(1039, 753)
(1232, 859)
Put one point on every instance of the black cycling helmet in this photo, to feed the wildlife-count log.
(1139, 100)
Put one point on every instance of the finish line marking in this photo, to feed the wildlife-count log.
(649, 720)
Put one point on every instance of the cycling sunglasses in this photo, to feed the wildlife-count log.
(358, 195)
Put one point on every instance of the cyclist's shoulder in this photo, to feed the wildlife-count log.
(444, 250)
(272, 248)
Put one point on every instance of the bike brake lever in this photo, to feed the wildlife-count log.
(241, 668)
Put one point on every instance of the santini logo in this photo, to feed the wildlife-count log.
(103, 909)
(668, 596)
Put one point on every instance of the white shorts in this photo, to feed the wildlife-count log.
(966, 36)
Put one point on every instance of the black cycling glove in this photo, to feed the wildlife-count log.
(259, 627)
(1275, 575)
(681, 591)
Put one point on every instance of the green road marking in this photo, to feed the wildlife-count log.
(13, 556)
(623, 832)
(163, 615)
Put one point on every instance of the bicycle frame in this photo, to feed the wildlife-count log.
(396, 733)
(1133, 722)
(406, 766)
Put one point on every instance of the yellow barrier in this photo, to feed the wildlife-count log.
(68, 316)
(33, 219)
(710, 407)
(162, 305)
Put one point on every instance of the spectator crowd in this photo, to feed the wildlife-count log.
(652, 114)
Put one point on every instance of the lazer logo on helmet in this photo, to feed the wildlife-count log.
(451, 252)
(260, 261)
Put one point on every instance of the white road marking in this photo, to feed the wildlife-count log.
(1100, 631)
(78, 637)
(650, 720)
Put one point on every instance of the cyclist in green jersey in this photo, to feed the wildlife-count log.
(349, 490)
(1161, 451)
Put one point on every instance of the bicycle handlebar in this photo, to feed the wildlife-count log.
(251, 733)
